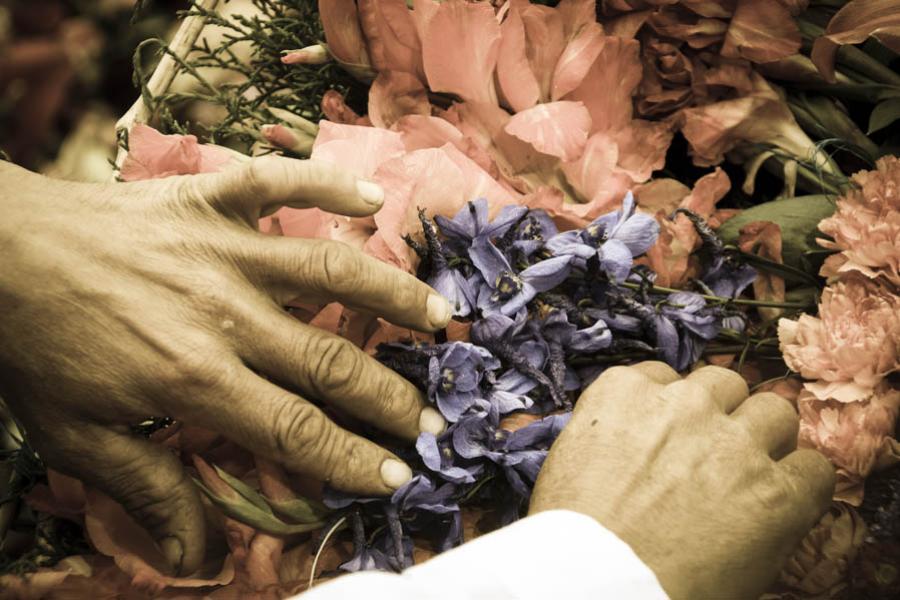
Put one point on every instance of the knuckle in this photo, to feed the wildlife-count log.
(253, 176)
(299, 428)
(193, 373)
(689, 397)
(338, 265)
(337, 365)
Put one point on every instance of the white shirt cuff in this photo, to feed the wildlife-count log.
(554, 554)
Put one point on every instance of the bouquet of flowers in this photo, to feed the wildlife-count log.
(562, 173)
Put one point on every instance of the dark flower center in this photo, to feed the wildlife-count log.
(448, 379)
(507, 285)
(595, 235)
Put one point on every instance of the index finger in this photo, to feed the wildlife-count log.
(333, 271)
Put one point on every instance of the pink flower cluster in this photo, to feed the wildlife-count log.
(849, 408)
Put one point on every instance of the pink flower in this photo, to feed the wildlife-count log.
(866, 225)
(850, 346)
(152, 155)
(851, 435)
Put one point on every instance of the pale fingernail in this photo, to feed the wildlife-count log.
(395, 473)
(173, 552)
(370, 192)
(431, 421)
(439, 312)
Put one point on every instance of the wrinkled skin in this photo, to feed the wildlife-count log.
(122, 301)
(704, 483)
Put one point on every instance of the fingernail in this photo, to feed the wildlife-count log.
(370, 192)
(431, 421)
(439, 312)
(173, 552)
(395, 473)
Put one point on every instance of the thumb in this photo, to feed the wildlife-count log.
(149, 482)
(261, 185)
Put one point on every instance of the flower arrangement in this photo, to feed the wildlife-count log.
(536, 176)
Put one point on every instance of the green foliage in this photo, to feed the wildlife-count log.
(255, 85)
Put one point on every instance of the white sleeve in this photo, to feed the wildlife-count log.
(554, 554)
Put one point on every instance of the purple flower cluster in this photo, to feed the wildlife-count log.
(549, 311)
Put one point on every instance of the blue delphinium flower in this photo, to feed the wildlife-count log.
(471, 224)
(506, 291)
(614, 238)
(438, 455)
(533, 232)
(455, 375)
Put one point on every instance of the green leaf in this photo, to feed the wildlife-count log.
(251, 495)
(799, 220)
(300, 510)
(252, 515)
(884, 114)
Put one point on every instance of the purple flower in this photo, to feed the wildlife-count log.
(508, 393)
(453, 285)
(683, 324)
(521, 454)
(438, 456)
(507, 291)
(728, 279)
(421, 494)
(454, 377)
(615, 238)
(471, 223)
(533, 232)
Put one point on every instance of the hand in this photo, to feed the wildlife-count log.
(704, 483)
(161, 298)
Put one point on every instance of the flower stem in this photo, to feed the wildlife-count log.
(741, 301)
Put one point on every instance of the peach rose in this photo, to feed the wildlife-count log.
(850, 346)
(866, 225)
(850, 434)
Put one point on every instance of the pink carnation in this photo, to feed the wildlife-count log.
(850, 346)
(851, 434)
(866, 225)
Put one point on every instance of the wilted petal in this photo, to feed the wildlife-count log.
(393, 41)
(340, 20)
(592, 173)
(460, 50)
(642, 147)
(545, 37)
(395, 94)
(152, 155)
(607, 89)
(763, 238)
(761, 31)
(557, 128)
(547, 274)
(616, 259)
(592, 339)
(852, 24)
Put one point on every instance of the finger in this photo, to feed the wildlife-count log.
(331, 369)
(658, 371)
(148, 481)
(813, 476)
(725, 387)
(335, 271)
(261, 185)
(772, 421)
(289, 430)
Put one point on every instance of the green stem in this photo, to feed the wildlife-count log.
(853, 57)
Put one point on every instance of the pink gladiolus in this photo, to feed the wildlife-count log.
(152, 155)
(850, 346)
(559, 128)
(866, 226)
(850, 434)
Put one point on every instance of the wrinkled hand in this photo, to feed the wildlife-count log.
(122, 301)
(704, 483)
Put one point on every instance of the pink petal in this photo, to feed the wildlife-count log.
(340, 20)
(460, 50)
(358, 149)
(558, 128)
(152, 155)
(576, 60)
(419, 132)
(545, 35)
(336, 110)
(518, 85)
(607, 89)
(593, 170)
(577, 14)
(395, 94)
(391, 33)
(642, 148)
